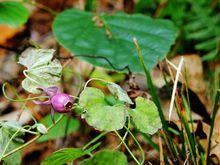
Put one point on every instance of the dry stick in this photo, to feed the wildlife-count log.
(161, 152)
(32, 140)
(175, 86)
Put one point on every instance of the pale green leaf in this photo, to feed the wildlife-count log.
(99, 114)
(91, 96)
(82, 33)
(13, 14)
(145, 116)
(105, 117)
(7, 130)
(41, 71)
(58, 131)
(107, 157)
(119, 92)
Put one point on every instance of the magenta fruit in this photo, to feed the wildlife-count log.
(60, 102)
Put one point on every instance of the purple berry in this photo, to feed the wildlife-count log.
(62, 102)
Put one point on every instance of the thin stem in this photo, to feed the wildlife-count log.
(21, 129)
(135, 159)
(26, 75)
(215, 110)
(32, 140)
(94, 140)
(92, 79)
(125, 135)
(12, 137)
(141, 149)
(100, 57)
(18, 100)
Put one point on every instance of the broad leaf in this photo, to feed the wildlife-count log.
(41, 71)
(119, 92)
(99, 114)
(13, 13)
(6, 132)
(58, 130)
(106, 118)
(63, 156)
(90, 97)
(107, 157)
(111, 36)
(145, 116)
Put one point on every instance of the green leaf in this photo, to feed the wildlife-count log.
(6, 132)
(99, 114)
(106, 118)
(41, 71)
(107, 157)
(145, 116)
(13, 13)
(119, 92)
(91, 96)
(63, 156)
(82, 33)
(58, 130)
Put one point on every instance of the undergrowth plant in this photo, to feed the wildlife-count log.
(119, 42)
(92, 104)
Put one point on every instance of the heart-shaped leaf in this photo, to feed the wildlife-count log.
(41, 71)
(106, 118)
(145, 116)
(111, 37)
(99, 114)
(91, 96)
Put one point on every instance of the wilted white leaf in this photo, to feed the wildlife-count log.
(41, 71)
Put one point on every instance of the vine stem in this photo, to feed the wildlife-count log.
(20, 129)
(94, 140)
(32, 140)
(18, 100)
(125, 135)
(136, 141)
(135, 159)
(93, 79)
(12, 137)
